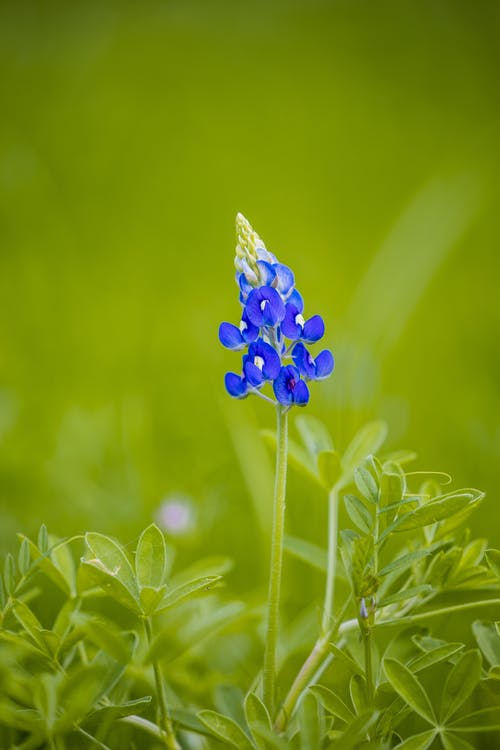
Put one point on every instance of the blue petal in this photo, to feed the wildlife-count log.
(272, 363)
(274, 311)
(235, 385)
(295, 299)
(245, 287)
(286, 278)
(253, 374)
(280, 387)
(264, 307)
(267, 274)
(230, 336)
(250, 332)
(289, 327)
(304, 361)
(314, 329)
(301, 393)
(324, 364)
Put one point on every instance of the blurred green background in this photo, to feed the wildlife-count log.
(359, 138)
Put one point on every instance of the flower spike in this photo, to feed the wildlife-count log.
(272, 314)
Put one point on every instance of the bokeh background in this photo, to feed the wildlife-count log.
(360, 139)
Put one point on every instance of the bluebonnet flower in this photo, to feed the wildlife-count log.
(272, 313)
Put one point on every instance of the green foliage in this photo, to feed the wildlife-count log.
(100, 646)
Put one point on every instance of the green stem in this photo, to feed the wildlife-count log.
(308, 669)
(168, 734)
(367, 643)
(331, 570)
(269, 675)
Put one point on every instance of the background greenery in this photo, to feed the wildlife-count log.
(360, 139)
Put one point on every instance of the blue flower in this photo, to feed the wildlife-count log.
(314, 369)
(236, 338)
(294, 326)
(236, 386)
(289, 388)
(272, 323)
(264, 307)
(261, 363)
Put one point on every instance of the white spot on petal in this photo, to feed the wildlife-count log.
(299, 320)
(258, 362)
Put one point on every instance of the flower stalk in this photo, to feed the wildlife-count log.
(269, 675)
(165, 722)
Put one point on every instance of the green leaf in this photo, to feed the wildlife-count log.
(366, 484)
(190, 722)
(199, 585)
(357, 691)
(257, 717)
(310, 731)
(493, 558)
(150, 598)
(437, 510)
(358, 513)
(345, 658)
(366, 442)
(418, 741)
(151, 558)
(452, 742)
(314, 435)
(356, 731)
(434, 656)
(484, 720)
(109, 637)
(43, 540)
(47, 566)
(98, 575)
(9, 573)
(404, 562)
(392, 485)
(306, 551)
(404, 594)
(112, 558)
(488, 640)
(107, 714)
(23, 557)
(329, 468)
(332, 703)
(226, 729)
(409, 688)
(460, 683)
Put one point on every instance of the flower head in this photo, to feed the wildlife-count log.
(272, 313)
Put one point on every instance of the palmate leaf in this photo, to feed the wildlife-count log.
(358, 513)
(409, 688)
(461, 682)
(225, 729)
(405, 594)
(418, 741)
(434, 656)
(488, 640)
(186, 590)
(484, 720)
(366, 484)
(332, 703)
(438, 510)
(112, 557)
(151, 558)
(453, 742)
(116, 711)
(356, 731)
(258, 720)
(93, 572)
(310, 728)
(48, 566)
